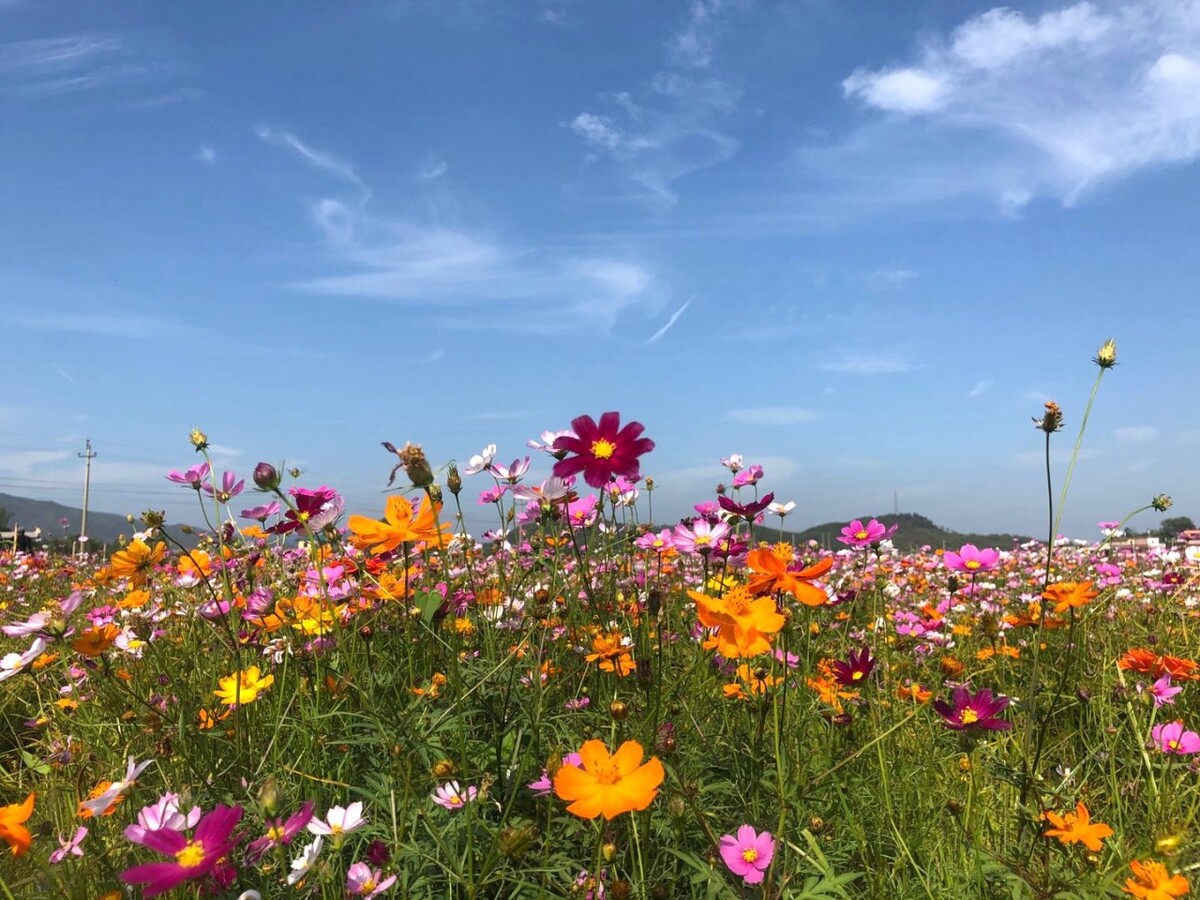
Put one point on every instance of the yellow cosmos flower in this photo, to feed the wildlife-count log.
(243, 687)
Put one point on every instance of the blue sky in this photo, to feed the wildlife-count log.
(859, 243)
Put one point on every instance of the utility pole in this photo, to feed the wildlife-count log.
(87, 481)
(896, 502)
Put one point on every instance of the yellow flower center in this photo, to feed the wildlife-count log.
(862, 535)
(969, 717)
(367, 886)
(335, 829)
(1173, 745)
(276, 833)
(603, 449)
(856, 675)
(972, 564)
(703, 539)
(749, 854)
(608, 774)
(191, 856)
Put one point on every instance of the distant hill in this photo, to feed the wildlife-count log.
(914, 531)
(103, 528)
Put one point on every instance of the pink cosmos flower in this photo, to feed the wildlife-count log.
(451, 796)
(856, 534)
(582, 513)
(363, 881)
(230, 488)
(978, 712)
(280, 832)
(971, 559)
(659, 543)
(192, 858)
(1162, 691)
(701, 538)
(318, 507)
(262, 512)
(195, 477)
(164, 813)
(748, 854)
(481, 462)
(511, 474)
(747, 477)
(1170, 737)
(69, 848)
(546, 445)
(733, 462)
(602, 449)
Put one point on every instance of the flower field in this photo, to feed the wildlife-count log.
(322, 702)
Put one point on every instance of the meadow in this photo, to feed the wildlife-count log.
(319, 702)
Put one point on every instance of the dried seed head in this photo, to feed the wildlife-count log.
(1052, 420)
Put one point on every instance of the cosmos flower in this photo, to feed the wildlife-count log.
(314, 507)
(339, 820)
(858, 535)
(1077, 827)
(772, 573)
(1170, 737)
(971, 559)
(451, 796)
(363, 881)
(12, 825)
(403, 524)
(69, 847)
(748, 854)
(747, 511)
(193, 858)
(1069, 594)
(856, 670)
(243, 687)
(231, 486)
(195, 477)
(602, 450)
(969, 712)
(137, 561)
(1151, 882)
(608, 785)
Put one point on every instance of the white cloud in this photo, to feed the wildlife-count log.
(70, 63)
(318, 159)
(433, 168)
(206, 155)
(107, 324)
(1014, 106)
(24, 463)
(1137, 434)
(223, 451)
(658, 335)
(461, 276)
(674, 124)
(1057, 456)
(773, 415)
(867, 364)
(980, 388)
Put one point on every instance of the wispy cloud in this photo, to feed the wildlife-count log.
(50, 66)
(648, 139)
(980, 388)
(461, 276)
(893, 278)
(1013, 106)
(24, 463)
(657, 336)
(866, 364)
(107, 324)
(206, 155)
(773, 415)
(318, 159)
(1038, 457)
(1137, 434)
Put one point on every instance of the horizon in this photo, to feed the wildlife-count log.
(860, 247)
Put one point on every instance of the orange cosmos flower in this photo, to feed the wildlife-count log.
(1077, 827)
(613, 656)
(914, 692)
(772, 574)
(94, 641)
(1069, 595)
(1150, 663)
(1151, 882)
(743, 623)
(12, 825)
(401, 526)
(608, 785)
(137, 561)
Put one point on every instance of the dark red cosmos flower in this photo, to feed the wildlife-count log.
(602, 450)
(859, 666)
(747, 511)
(970, 713)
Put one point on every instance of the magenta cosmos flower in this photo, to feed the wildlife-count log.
(602, 450)
(193, 858)
(316, 507)
(973, 713)
(856, 534)
(748, 853)
(195, 477)
(1170, 737)
(971, 559)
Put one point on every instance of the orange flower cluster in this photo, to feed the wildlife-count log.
(771, 575)
(1151, 882)
(1147, 662)
(1069, 594)
(612, 655)
(402, 525)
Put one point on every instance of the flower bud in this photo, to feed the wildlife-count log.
(442, 769)
(268, 796)
(1162, 503)
(416, 466)
(154, 518)
(619, 710)
(454, 480)
(608, 851)
(199, 439)
(266, 476)
(516, 841)
(1106, 356)
(1052, 420)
